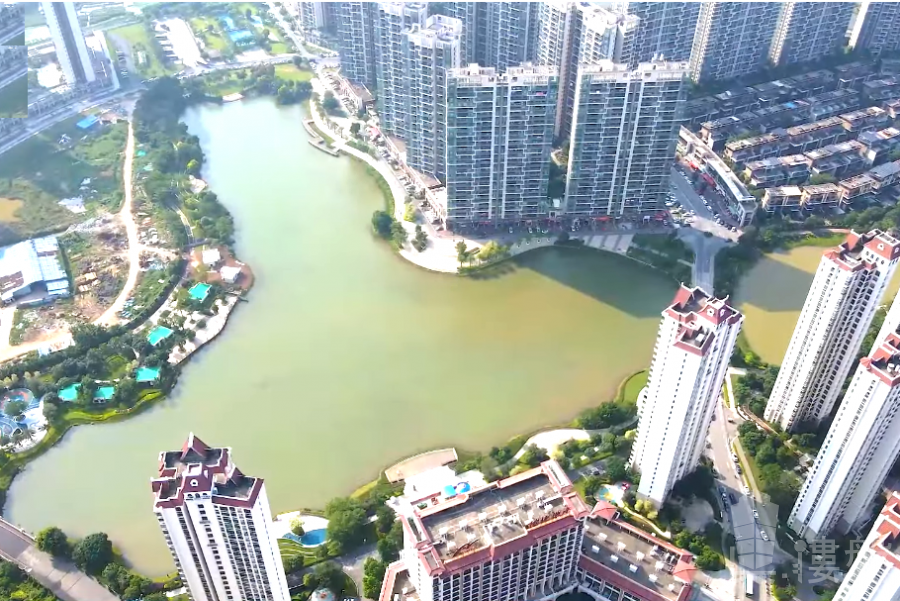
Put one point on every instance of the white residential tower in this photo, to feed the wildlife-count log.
(217, 525)
(68, 40)
(859, 450)
(875, 573)
(846, 291)
(694, 345)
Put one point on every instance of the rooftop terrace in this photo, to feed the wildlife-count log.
(634, 555)
(494, 516)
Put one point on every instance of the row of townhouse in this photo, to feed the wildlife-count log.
(844, 192)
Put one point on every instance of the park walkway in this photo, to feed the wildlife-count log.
(61, 578)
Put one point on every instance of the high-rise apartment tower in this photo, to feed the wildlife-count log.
(846, 291)
(859, 450)
(430, 52)
(392, 21)
(807, 31)
(624, 130)
(68, 40)
(217, 525)
(356, 41)
(875, 28)
(694, 345)
(875, 573)
(665, 30)
(732, 39)
(499, 138)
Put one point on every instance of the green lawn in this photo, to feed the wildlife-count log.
(278, 48)
(210, 31)
(634, 385)
(292, 73)
(40, 173)
(14, 99)
(142, 47)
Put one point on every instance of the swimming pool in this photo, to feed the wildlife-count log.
(158, 334)
(147, 374)
(199, 292)
(314, 538)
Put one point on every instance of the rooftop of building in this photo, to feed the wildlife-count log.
(806, 128)
(438, 27)
(767, 138)
(783, 191)
(849, 254)
(649, 71)
(857, 181)
(871, 111)
(198, 469)
(884, 171)
(827, 188)
(29, 262)
(510, 512)
(527, 73)
(632, 558)
(699, 315)
(834, 149)
(885, 534)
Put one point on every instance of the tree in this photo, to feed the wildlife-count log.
(117, 578)
(354, 128)
(381, 224)
(330, 103)
(346, 521)
(330, 576)
(398, 232)
(533, 455)
(388, 549)
(384, 519)
(420, 240)
(292, 563)
(297, 528)
(462, 252)
(616, 469)
(52, 540)
(93, 553)
(14, 408)
(373, 575)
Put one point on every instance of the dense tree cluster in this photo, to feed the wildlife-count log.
(775, 463)
(16, 584)
(175, 155)
(606, 415)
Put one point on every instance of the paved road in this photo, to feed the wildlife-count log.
(61, 578)
(689, 199)
(110, 317)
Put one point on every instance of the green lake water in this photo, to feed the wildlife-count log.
(347, 358)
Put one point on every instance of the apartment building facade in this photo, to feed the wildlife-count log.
(665, 30)
(572, 34)
(68, 41)
(876, 26)
(217, 525)
(393, 20)
(808, 31)
(693, 347)
(846, 290)
(499, 138)
(355, 22)
(318, 16)
(875, 572)
(625, 126)
(473, 16)
(430, 52)
(860, 448)
(732, 39)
